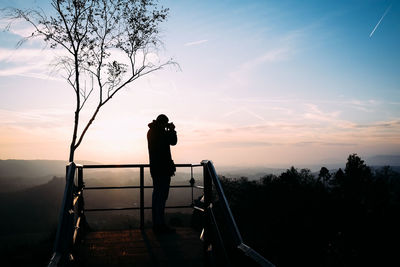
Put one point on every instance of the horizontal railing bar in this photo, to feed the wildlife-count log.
(112, 187)
(131, 187)
(137, 208)
(99, 166)
(179, 207)
(254, 255)
(110, 209)
(55, 259)
(198, 208)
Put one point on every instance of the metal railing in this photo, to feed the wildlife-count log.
(219, 244)
(141, 187)
(71, 216)
(223, 235)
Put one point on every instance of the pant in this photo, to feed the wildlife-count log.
(159, 198)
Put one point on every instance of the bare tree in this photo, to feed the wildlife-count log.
(92, 32)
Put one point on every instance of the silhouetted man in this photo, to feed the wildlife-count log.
(160, 137)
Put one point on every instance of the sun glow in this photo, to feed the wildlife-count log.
(272, 91)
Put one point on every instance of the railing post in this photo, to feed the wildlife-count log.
(80, 177)
(207, 185)
(141, 197)
(81, 201)
(63, 242)
(66, 171)
(192, 182)
(80, 189)
(206, 221)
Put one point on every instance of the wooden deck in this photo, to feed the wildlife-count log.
(141, 248)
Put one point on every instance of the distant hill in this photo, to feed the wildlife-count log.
(14, 184)
(32, 210)
(254, 173)
(36, 209)
(18, 175)
(33, 168)
(383, 160)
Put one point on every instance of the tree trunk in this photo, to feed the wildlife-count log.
(71, 153)
(73, 146)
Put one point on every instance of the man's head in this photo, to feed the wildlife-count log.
(162, 119)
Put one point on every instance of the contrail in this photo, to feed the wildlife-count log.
(379, 22)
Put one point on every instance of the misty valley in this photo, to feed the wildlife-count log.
(295, 216)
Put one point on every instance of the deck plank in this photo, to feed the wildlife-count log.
(141, 248)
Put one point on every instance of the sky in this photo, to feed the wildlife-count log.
(260, 83)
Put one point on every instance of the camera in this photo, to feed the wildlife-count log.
(170, 127)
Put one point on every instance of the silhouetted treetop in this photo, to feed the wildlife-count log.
(356, 168)
(295, 220)
(324, 175)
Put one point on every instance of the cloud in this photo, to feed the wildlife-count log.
(196, 42)
(236, 144)
(380, 125)
(34, 62)
(273, 55)
(242, 74)
(29, 71)
(312, 143)
(285, 48)
(27, 55)
(41, 63)
(34, 118)
(311, 127)
(315, 114)
(243, 110)
(363, 105)
(17, 26)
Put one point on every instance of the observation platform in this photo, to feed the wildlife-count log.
(137, 247)
(222, 243)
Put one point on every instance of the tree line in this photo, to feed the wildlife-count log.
(347, 217)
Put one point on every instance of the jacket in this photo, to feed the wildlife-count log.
(159, 141)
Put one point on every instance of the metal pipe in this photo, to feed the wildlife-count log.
(130, 187)
(138, 208)
(110, 166)
(142, 197)
(192, 181)
(228, 214)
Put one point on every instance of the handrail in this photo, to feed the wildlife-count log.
(210, 178)
(70, 218)
(141, 186)
(72, 215)
(108, 166)
(131, 187)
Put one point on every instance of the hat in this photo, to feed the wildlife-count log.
(162, 119)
